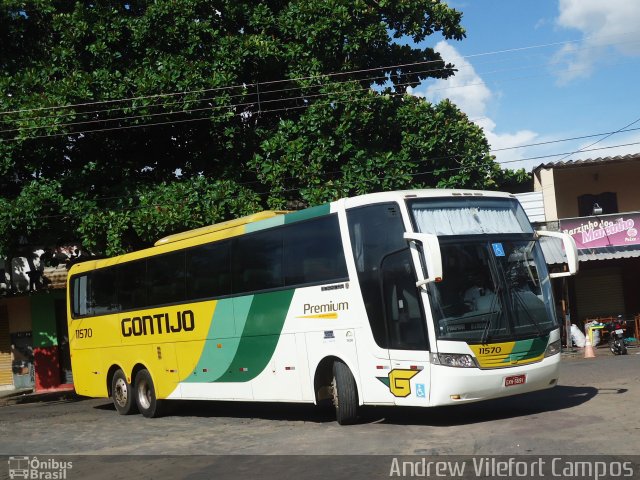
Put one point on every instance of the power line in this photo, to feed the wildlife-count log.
(560, 140)
(303, 78)
(182, 112)
(248, 93)
(608, 134)
(438, 170)
(299, 189)
(335, 102)
(212, 108)
(600, 140)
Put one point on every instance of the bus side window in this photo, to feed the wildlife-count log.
(79, 293)
(209, 270)
(313, 252)
(257, 261)
(132, 285)
(103, 291)
(166, 278)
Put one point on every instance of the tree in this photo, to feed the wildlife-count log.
(123, 121)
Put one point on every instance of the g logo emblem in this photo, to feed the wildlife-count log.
(399, 382)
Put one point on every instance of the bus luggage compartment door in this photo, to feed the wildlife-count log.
(165, 370)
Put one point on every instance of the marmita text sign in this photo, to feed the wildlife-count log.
(615, 230)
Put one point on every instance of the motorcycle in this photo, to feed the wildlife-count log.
(617, 345)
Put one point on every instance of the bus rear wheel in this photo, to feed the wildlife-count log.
(145, 394)
(122, 394)
(345, 394)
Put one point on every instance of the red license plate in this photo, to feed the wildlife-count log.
(515, 380)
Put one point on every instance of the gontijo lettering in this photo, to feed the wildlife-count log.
(157, 324)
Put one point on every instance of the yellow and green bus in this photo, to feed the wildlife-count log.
(421, 298)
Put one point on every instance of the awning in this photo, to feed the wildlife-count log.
(554, 252)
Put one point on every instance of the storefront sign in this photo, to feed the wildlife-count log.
(615, 230)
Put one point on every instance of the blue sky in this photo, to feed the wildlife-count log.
(534, 71)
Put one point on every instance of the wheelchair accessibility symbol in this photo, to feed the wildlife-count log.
(420, 390)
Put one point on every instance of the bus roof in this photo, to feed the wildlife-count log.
(250, 222)
(399, 195)
(216, 227)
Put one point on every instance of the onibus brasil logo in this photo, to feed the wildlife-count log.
(33, 468)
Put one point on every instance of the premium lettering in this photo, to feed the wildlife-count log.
(326, 307)
(157, 324)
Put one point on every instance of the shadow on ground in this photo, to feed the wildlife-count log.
(558, 398)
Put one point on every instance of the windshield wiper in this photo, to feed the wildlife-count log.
(516, 295)
(494, 313)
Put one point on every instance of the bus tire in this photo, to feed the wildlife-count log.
(145, 394)
(122, 394)
(345, 394)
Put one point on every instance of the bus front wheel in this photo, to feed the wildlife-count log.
(145, 394)
(345, 394)
(122, 394)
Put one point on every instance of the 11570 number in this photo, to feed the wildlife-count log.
(489, 350)
(84, 333)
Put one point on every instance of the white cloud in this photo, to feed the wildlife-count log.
(466, 89)
(471, 94)
(609, 26)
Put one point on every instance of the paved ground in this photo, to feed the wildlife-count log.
(593, 411)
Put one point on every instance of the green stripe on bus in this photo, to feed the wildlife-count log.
(243, 335)
(292, 217)
(527, 349)
(261, 333)
(264, 224)
(214, 361)
(307, 213)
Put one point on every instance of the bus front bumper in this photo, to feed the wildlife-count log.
(450, 385)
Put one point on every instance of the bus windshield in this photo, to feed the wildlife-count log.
(495, 281)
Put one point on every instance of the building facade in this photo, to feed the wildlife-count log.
(34, 351)
(595, 201)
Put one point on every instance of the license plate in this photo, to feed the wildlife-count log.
(515, 380)
(619, 331)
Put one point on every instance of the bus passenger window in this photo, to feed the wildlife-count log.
(313, 252)
(132, 285)
(257, 263)
(165, 275)
(79, 295)
(103, 291)
(209, 271)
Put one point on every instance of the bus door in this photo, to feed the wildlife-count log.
(406, 330)
(383, 262)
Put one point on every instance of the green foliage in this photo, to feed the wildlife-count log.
(230, 106)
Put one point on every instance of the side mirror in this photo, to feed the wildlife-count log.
(432, 255)
(570, 250)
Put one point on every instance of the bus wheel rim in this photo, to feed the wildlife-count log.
(144, 395)
(121, 393)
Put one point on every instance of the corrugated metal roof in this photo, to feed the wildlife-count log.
(588, 161)
(554, 253)
(533, 205)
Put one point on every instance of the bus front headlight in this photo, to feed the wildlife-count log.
(552, 349)
(459, 360)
